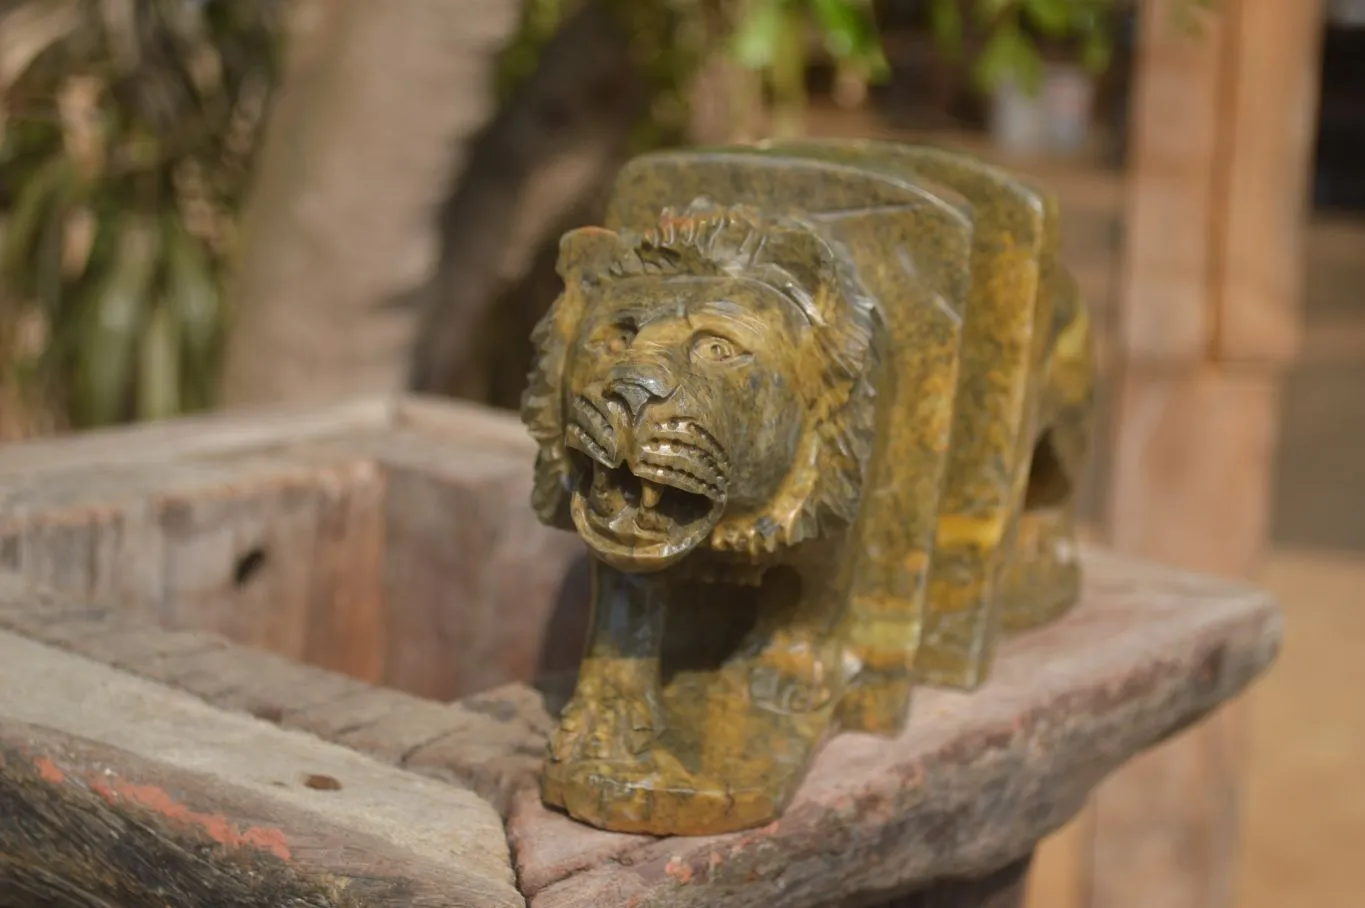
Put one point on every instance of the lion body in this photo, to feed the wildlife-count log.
(880, 473)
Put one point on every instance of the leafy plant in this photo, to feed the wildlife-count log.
(127, 134)
(771, 37)
(1009, 50)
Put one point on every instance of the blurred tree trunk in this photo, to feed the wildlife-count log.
(542, 166)
(375, 117)
(726, 102)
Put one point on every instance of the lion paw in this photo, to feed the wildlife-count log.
(619, 729)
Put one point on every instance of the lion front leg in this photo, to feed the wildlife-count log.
(616, 713)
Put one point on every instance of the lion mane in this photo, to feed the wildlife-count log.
(789, 255)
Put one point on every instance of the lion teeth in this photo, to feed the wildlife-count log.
(649, 493)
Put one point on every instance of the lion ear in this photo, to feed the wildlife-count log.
(590, 252)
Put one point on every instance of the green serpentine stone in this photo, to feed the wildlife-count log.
(819, 410)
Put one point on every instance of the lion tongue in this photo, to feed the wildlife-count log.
(649, 493)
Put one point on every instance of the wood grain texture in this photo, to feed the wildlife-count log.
(390, 539)
(491, 744)
(470, 576)
(278, 554)
(970, 787)
(1193, 456)
(119, 791)
(197, 436)
(1192, 459)
(1218, 185)
(1196, 412)
(1267, 130)
(98, 521)
(1165, 312)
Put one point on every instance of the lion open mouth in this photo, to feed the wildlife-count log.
(646, 512)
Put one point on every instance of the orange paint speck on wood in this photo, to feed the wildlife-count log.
(218, 827)
(49, 771)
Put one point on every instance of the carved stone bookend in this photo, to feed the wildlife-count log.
(818, 411)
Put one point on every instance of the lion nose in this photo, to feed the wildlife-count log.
(637, 389)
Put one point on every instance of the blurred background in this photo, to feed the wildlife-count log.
(217, 203)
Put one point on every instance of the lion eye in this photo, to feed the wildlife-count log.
(714, 349)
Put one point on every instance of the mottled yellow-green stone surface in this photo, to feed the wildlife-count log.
(818, 411)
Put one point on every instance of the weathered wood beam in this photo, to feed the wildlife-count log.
(390, 538)
(974, 782)
(118, 791)
(1209, 320)
(492, 743)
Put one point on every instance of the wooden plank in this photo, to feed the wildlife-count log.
(271, 551)
(1060, 874)
(1218, 185)
(1165, 313)
(292, 566)
(473, 578)
(404, 551)
(462, 423)
(1268, 132)
(1195, 416)
(343, 600)
(119, 791)
(492, 743)
(1192, 455)
(203, 435)
(970, 786)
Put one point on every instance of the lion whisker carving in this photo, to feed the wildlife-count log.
(798, 464)
(580, 439)
(593, 418)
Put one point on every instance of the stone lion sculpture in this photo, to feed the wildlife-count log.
(818, 412)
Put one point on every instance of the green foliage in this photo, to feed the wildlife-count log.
(846, 28)
(1009, 52)
(127, 133)
(672, 37)
(770, 37)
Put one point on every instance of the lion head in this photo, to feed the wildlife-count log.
(703, 385)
